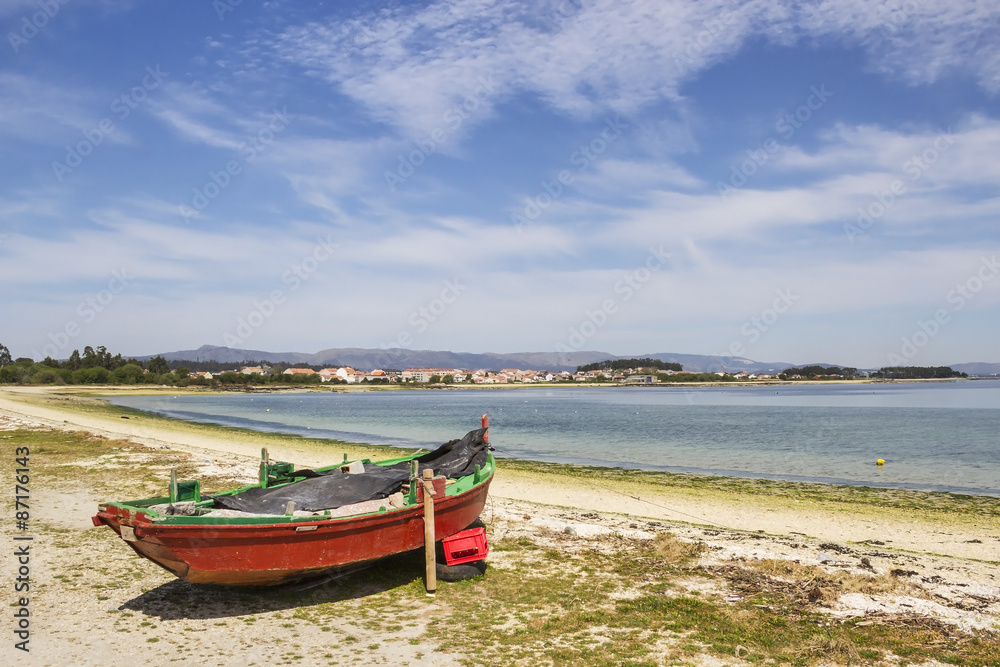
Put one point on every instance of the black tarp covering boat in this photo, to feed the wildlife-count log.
(323, 490)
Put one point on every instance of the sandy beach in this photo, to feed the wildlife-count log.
(944, 563)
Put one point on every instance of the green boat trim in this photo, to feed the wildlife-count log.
(278, 474)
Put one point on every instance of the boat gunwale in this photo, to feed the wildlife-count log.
(132, 511)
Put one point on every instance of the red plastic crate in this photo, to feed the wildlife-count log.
(465, 547)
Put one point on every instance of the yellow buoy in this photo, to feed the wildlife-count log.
(269, 409)
(880, 462)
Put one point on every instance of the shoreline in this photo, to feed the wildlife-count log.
(101, 404)
(153, 390)
(585, 563)
(823, 511)
(327, 435)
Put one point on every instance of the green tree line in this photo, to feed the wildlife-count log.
(99, 366)
(621, 364)
(695, 377)
(846, 373)
(917, 373)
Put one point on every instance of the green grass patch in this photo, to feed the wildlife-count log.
(539, 610)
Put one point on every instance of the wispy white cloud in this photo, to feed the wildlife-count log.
(323, 172)
(610, 177)
(410, 65)
(935, 172)
(23, 209)
(376, 83)
(36, 110)
(28, 8)
(195, 115)
(918, 40)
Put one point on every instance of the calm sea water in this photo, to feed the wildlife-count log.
(932, 436)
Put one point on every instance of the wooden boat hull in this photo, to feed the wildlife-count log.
(270, 554)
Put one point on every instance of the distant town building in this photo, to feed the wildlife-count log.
(425, 374)
(300, 371)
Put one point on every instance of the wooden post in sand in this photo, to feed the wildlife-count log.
(429, 554)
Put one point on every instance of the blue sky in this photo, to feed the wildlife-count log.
(804, 182)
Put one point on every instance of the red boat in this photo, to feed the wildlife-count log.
(238, 538)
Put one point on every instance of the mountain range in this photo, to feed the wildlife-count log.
(364, 358)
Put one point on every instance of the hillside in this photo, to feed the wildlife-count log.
(400, 358)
